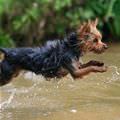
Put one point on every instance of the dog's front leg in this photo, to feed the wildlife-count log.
(92, 63)
(78, 72)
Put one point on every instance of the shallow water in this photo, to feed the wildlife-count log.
(95, 97)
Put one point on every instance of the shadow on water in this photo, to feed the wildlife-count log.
(96, 97)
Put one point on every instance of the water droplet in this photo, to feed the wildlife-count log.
(73, 110)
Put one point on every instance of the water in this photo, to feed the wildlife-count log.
(95, 97)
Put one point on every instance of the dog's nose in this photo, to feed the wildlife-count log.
(105, 46)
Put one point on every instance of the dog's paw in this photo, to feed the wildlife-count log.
(100, 69)
(96, 63)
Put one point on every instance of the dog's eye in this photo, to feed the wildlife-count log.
(95, 40)
(87, 37)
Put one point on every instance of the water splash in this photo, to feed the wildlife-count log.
(115, 74)
(13, 91)
(116, 69)
(7, 102)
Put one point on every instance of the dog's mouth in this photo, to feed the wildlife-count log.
(98, 51)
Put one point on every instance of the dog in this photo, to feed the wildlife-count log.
(56, 58)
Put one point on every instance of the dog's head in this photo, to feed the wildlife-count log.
(90, 37)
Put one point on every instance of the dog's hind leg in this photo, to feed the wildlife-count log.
(7, 71)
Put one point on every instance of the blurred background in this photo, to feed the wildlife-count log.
(31, 97)
(31, 22)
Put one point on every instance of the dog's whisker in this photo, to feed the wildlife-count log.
(77, 44)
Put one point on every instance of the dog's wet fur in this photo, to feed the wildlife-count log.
(56, 58)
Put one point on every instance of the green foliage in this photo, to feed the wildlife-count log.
(109, 13)
(27, 22)
(6, 41)
(59, 5)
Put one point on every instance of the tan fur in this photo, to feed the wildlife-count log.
(87, 34)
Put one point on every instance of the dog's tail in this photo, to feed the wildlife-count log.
(7, 71)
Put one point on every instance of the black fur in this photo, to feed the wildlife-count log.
(45, 60)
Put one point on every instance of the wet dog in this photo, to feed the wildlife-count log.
(56, 58)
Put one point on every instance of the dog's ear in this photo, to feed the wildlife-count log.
(87, 26)
(94, 23)
(84, 27)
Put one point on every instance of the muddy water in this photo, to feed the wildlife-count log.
(95, 97)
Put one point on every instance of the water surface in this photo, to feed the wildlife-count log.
(95, 97)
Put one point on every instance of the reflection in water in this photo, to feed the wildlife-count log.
(96, 97)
